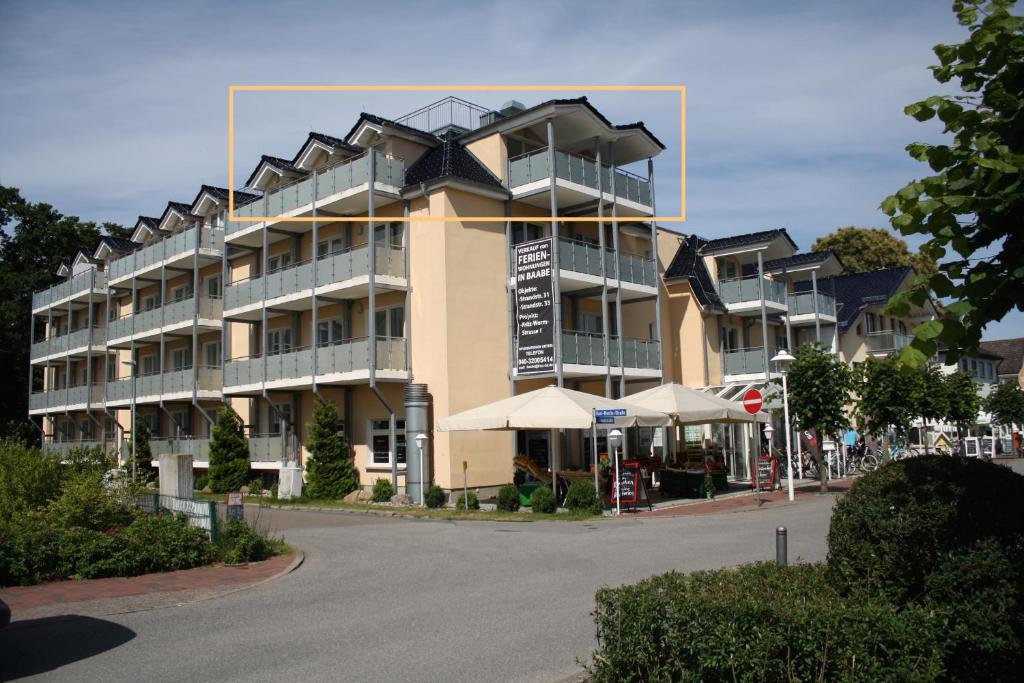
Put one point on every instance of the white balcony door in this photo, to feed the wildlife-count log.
(212, 354)
(389, 233)
(329, 332)
(212, 286)
(329, 247)
(390, 321)
(279, 341)
(150, 364)
(181, 359)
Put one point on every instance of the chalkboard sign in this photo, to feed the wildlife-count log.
(972, 446)
(627, 488)
(767, 471)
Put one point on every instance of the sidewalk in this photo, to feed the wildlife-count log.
(99, 597)
(745, 501)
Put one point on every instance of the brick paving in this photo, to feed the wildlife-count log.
(199, 581)
(747, 501)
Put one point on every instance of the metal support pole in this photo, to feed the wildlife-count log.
(555, 267)
(657, 275)
(407, 300)
(265, 260)
(371, 311)
(510, 274)
(764, 315)
(602, 245)
(315, 314)
(195, 314)
(781, 558)
(817, 320)
(618, 288)
(225, 340)
(789, 313)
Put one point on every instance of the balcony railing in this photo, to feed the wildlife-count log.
(68, 341)
(886, 341)
(748, 361)
(77, 284)
(74, 444)
(156, 384)
(173, 313)
(74, 395)
(584, 257)
(176, 245)
(803, 304)
(331, 268)
(585, 348)
(746, 289)
(342, 357)
(197, 447)
(533, 166)
(266, 447)
(340, 177)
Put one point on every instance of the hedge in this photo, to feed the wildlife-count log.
(759, 623)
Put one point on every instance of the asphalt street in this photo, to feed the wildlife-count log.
(387, 599)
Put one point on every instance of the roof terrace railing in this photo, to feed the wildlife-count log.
(446, 113)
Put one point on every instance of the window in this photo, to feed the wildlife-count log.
(181, 359)
(526, 232)
(85, 428)
(152, 421)
(150, 364)
(150, 301)
(181, 293)
(330, 247)
(279, 411)
(380, 439)
(730, 270)
(212, 354)
(588, 322)
(111, 368)
(901, 327)
(108, 426)
(869, 322)
(390, 322)
(279, 341)
(212, 286)
(389, 233)
(181, 422)
(730, 339)
(329, 332)
(112, 311)
(279, 262)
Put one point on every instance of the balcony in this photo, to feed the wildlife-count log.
(341, 363)
(266, 448)
(584, 258)
(743, 295)
(178, 314)
(75, 397)
(886, 341)
(583, 354)
(176, 384)
(70, 343)
(801, 308)
(76, 287)
(743, 363)
(175, 249)
(338, 188)
(335, 273)
(198, 448)
(64, 447)
(576, 182)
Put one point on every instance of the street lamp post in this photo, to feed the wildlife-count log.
(614, 441)
(782, 360)
(131, 365)
(421, 439)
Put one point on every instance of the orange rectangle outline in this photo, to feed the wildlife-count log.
(681, 89)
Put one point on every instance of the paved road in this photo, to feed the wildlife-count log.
(385, 599)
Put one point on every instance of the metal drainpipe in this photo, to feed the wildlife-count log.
(618, 290)
(407, 313)
(657, 276)
(314, 251)
(555, 242)
(764, 314)
(602, 245)
(817, 320)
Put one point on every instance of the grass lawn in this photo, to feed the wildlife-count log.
(427, 513)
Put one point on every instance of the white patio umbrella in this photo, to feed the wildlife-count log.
(689, 407)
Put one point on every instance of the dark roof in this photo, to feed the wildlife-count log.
(329, 140)
(794, 261)
(276, 162)
(688, 264)
(180, 207)
(149, 222)
(1010, 350)
(449, 160)
(119, 244)
(856, 291)
(222, 194)
(381, 121)
(749, 238)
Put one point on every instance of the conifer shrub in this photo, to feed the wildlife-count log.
(382, 491)
(435, 496)
(330, 473)
(543, 500)
(229, 453)
(508, 498)
(472, 503)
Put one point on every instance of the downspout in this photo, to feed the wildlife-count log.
(602, 243)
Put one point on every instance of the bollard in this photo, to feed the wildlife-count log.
(780, 547)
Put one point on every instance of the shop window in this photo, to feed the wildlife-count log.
(380, 440)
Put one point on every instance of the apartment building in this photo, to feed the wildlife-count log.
(371, 295)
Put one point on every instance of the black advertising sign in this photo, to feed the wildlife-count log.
(535, 311)
(629, 473)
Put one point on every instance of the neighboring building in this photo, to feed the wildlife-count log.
(1011, 354)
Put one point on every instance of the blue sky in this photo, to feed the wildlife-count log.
(795, 118)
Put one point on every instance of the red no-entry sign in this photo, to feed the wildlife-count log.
(752, 401)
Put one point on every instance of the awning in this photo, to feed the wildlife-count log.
(690, 406)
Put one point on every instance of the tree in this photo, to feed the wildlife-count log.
(971, 208)
(1005, 404)
(229, 453)
(962, 403)
(929, 397)
(865, 249)
(819, 390)
(329, 471)
(886, 398)
(34, 240)
(142, 458)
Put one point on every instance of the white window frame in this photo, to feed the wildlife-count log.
(279, 262)
(181, 359)
(380, 428)
(213, 285)
(219, 355)
(387, 311)
(273, 422)
(281, 337)
(181, 293)
(151, 301)
(145, 361)
(330, 247)
(331, 328)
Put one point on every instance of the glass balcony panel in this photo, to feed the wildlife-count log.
(264, 448)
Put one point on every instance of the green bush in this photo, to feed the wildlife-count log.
(382, 491)
(29, 478)
(255, 487)
(84, 502)
(239, 543)
(435, 496)
(201, 481)
(758, 623)
(229, 453)
(582, 497)
(329, 470)
(508, 498)
(29, 549)
(461, 504)
(947, 534)
(543, 500)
